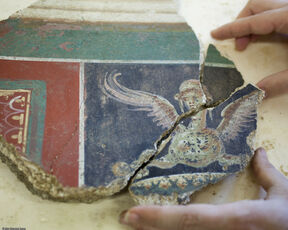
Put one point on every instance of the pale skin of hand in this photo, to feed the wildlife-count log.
(268, 214)
(259, 17)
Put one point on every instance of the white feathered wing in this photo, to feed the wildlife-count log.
(237, 116)
(158, 107)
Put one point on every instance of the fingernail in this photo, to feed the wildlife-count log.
(265, 92)
(122, 215)
(241, 43)
(261, 151)
(128, 218)
(213, 33)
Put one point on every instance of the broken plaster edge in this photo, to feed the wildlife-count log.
(46, 185)
(8, 8)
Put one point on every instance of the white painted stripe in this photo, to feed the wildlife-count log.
(100, 61)
(131, 11)
(81, 178)
(98, 16)
(219, 65)
(111, 6)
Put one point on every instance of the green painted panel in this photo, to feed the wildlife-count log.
(101, 42)
(214, 56)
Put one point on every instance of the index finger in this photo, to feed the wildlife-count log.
(246, 11)
(259, 24)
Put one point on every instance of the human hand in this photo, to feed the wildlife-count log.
(268, 214)
(259, 17)
(275, 84)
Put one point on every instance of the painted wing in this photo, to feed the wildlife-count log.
(158, 107)
(237, 116)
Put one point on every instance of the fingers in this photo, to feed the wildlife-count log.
(260, 24)
(246, 11)
(184, 217)
(259, 6)
(169, 217)
(257, 24)
(264, 170)
(275, 84)
(259, 17)
(242, 43)
(275, 184)
(196, 217)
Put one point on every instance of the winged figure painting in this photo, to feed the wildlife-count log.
(195, 144)
(163, 112)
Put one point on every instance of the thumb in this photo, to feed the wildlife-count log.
(275, 84)
(274, 183)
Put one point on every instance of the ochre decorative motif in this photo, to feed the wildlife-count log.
(14, 116)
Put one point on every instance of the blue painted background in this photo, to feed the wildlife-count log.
(113, 131)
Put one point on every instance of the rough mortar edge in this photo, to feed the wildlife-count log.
(46, 185)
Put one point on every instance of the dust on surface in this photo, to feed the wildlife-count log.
(268, 144)
(283, 170)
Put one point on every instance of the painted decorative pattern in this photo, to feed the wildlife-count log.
(14, 116)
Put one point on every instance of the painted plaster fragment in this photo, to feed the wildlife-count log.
(44, 184)
(219, 77)
(82, 131)
(207, 147)
(14, 114)
(49, 133)
(138, 103)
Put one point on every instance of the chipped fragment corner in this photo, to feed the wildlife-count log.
(46, 185)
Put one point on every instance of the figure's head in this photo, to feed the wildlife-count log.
(190, 95)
